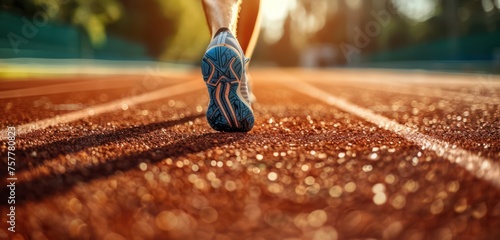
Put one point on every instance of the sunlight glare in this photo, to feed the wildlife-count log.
(353, 4)
(488, 5)
(274, 16)
(418, 11)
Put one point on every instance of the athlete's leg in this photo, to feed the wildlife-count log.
(248, 33)
(249, 25)
(223, 69)
(224, 14)
(221, 14)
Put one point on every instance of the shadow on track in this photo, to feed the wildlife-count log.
(41, 187)
(73, 145)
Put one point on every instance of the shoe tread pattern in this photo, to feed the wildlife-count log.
(222, 70)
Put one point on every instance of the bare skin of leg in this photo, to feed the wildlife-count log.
(224, 14)
(221, 14)
(249, 26)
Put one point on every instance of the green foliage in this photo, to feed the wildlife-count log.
(94, 15)
(191, 34)
(91, 15)
(172, 30)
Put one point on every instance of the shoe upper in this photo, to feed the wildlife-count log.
(226, 38)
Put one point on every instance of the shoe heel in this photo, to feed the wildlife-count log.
(222, 69)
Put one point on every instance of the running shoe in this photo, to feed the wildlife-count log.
(248, 80)
(223, 69)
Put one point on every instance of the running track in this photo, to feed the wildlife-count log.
(335, 154)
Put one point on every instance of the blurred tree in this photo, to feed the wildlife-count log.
(144, 22)
(455, 18)
(191, 34)
(170, 30)
(91, 15)
(176, 30)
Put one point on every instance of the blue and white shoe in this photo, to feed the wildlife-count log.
(223, 69)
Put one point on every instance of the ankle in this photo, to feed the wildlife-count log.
(221, 30)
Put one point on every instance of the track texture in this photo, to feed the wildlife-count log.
(308, 170)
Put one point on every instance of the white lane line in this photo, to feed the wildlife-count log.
(107, 107)
(410, 77)
(80, 86)
(439, 93)
(478, 166)
(65, 88)
(410, 89)
(404, 84)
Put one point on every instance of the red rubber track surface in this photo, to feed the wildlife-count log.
(308, 170)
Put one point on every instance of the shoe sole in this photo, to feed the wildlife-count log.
(222, 70)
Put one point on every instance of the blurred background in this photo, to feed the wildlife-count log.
(449, 35)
